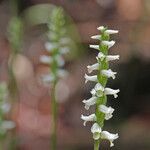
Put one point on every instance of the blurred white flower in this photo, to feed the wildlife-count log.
(50, 46)
(46, 59)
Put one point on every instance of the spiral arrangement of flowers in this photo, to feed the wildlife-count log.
(100, 91)
(57, 46)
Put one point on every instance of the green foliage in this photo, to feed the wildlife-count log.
(15, 33)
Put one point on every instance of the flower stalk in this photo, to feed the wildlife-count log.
(100, 91)
(56, 46)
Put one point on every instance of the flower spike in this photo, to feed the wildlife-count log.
(100, 91)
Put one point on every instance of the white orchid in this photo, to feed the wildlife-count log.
(109, 136)
(95, 47)
(100, 91)
(90, 102)
(107, 111)
(96, 37)
(109, 73)
(96, 130)
(93, 67)
(108, 43)
(90, 78)
(109, 91)
(90, 118)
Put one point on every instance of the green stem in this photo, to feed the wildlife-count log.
(54, 119)
(96, 144)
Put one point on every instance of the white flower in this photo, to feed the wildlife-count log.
(50, 46)
(109, 73)
(98, 90)
(47, 78)
(91, 118)
(93, 92)
(64, 40)
(111, 31)
(90, 78)
(101, 56)
(107, 111)
(101, 28)
(6, 125)
(109, 136)
(108, 43)
(96, 37)
(64, 50)
(60, 60)
(93, 67)
(96, 130)
(109, 91)
(95, 47)
(62, 73)
(45, 59)
(5, 107)
(89, 102)
(112, 57)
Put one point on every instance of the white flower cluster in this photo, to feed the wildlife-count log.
(56, 47)
(100, 91)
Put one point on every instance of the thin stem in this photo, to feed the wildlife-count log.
(96, 144)
(54, 119)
